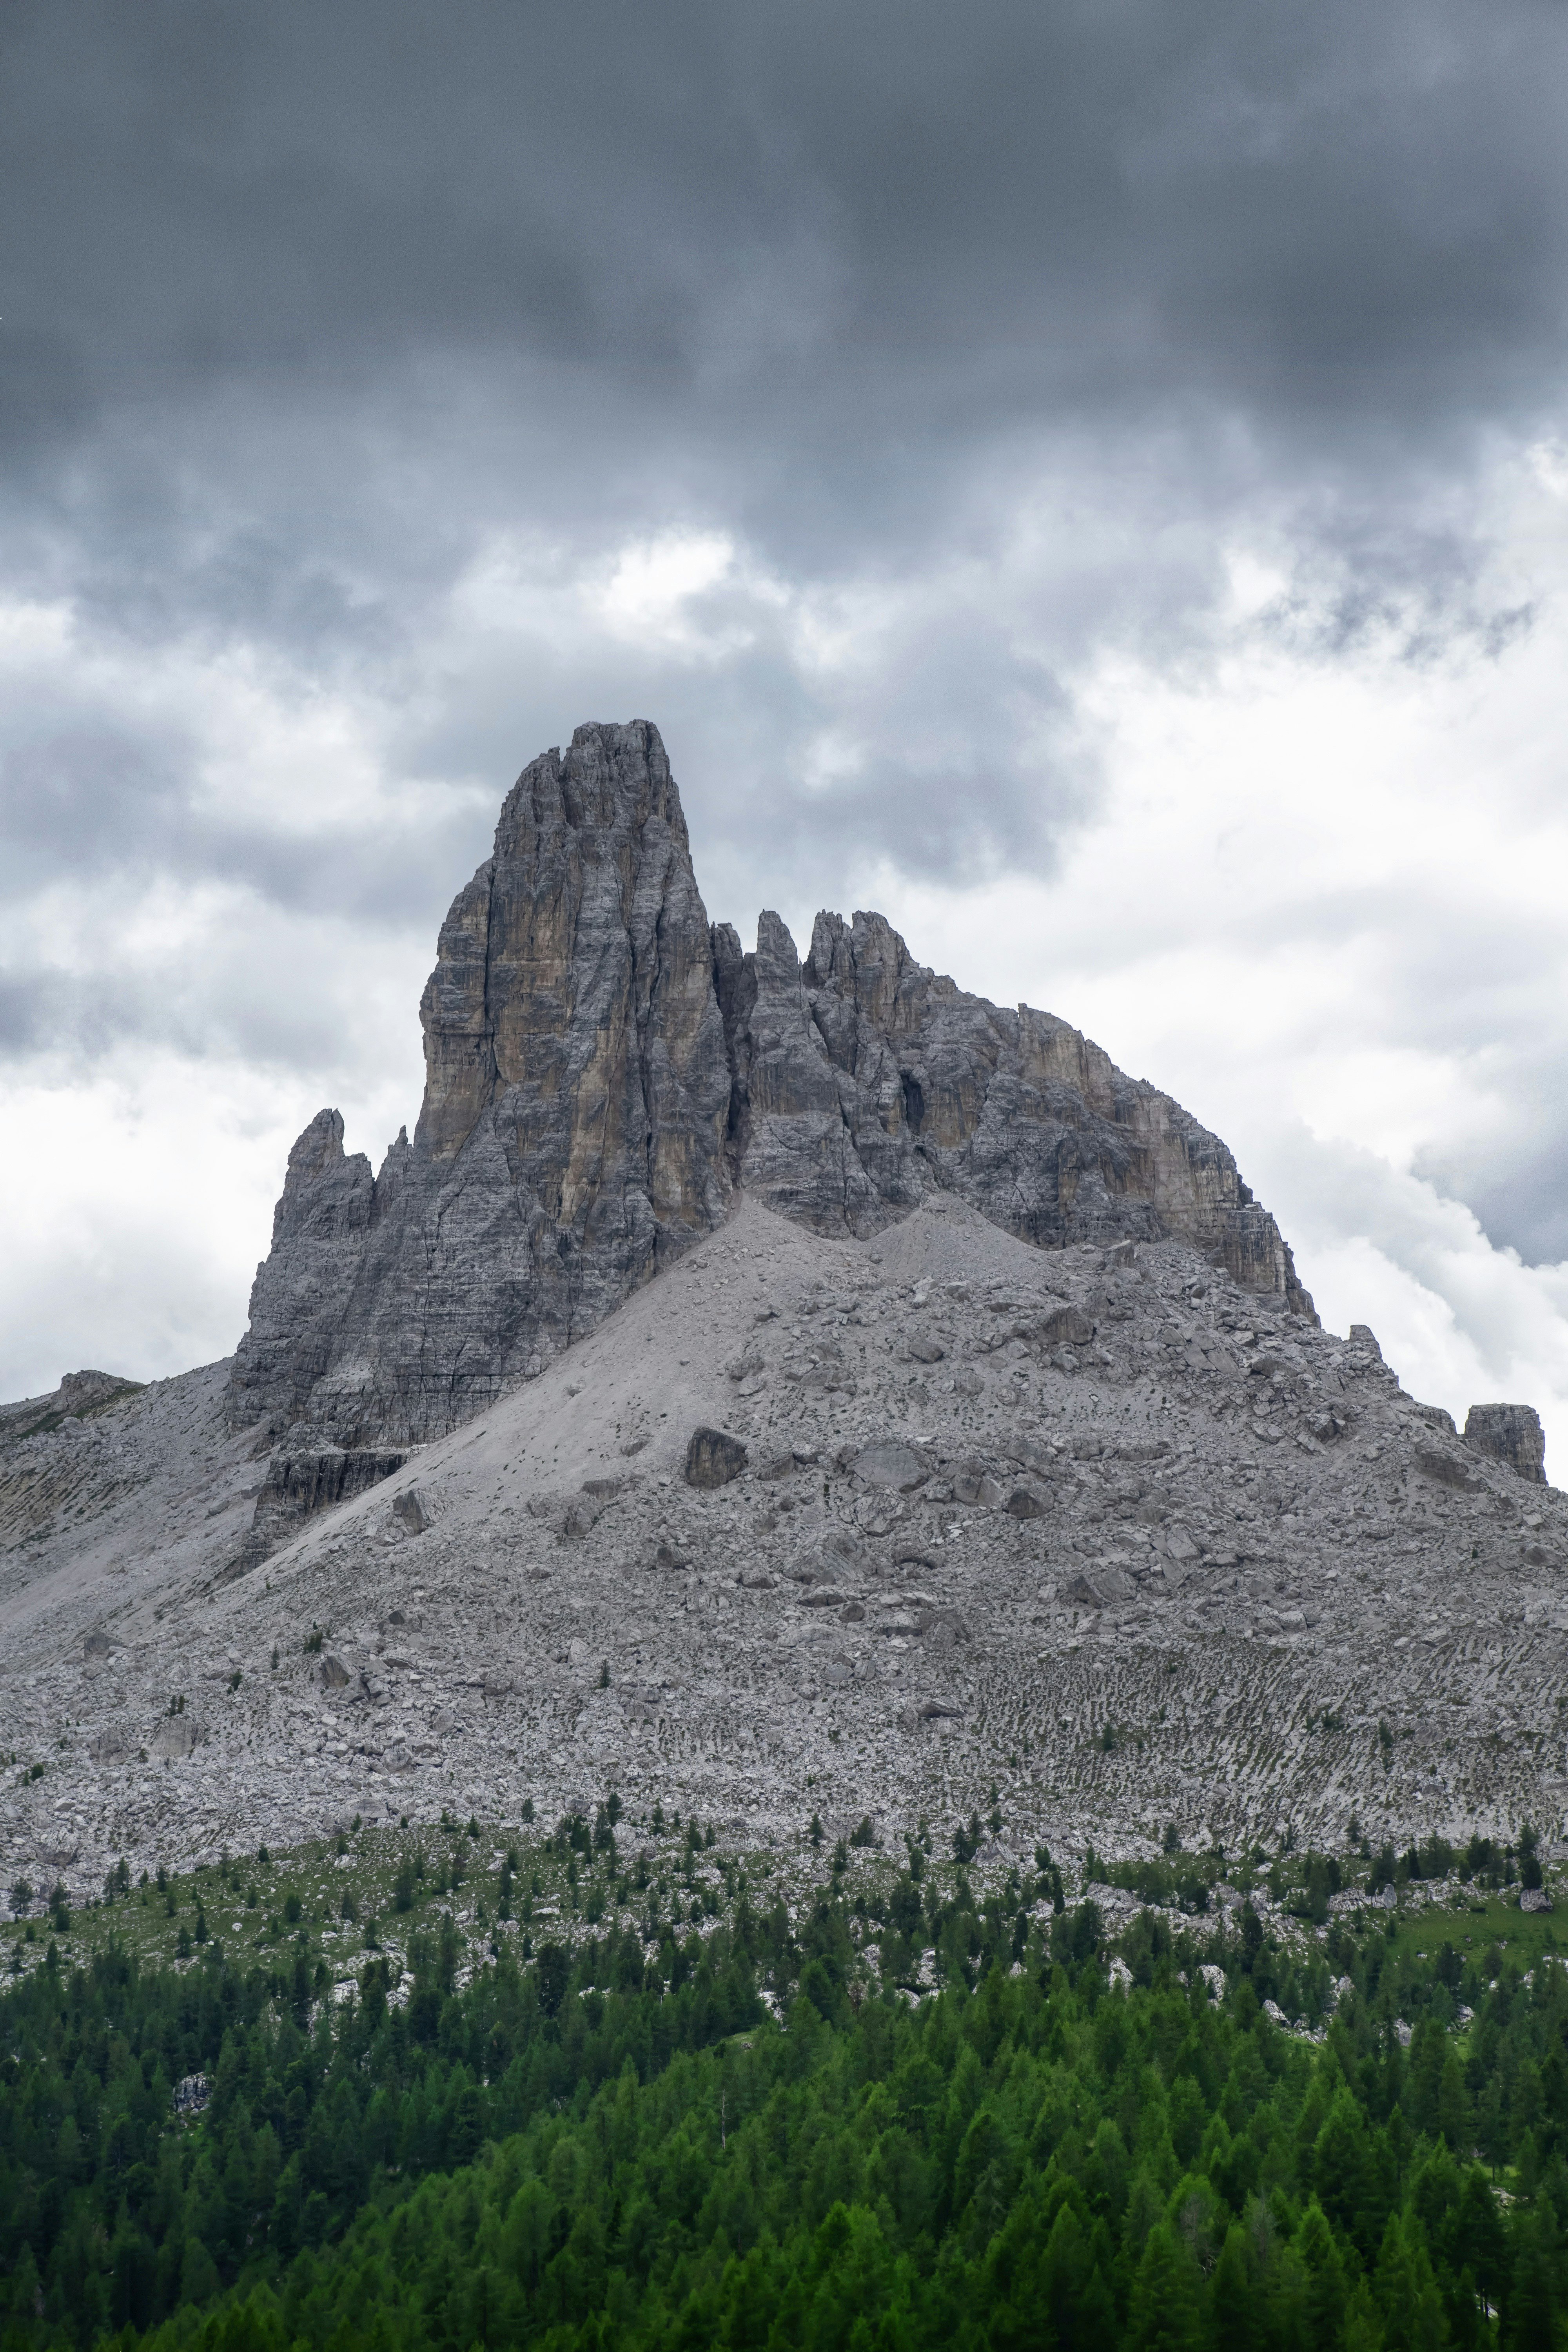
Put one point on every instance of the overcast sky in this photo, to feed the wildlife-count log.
(1089, 480)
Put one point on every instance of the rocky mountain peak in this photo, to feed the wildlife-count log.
(604, 1073)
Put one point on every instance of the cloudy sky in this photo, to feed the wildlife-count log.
(1089, 479)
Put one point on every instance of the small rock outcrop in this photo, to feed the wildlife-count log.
(604, 1074)
(1511, 1433)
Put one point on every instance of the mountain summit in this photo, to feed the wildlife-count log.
(606, 1072)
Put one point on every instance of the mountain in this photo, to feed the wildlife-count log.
(605, 1075)
(782, 1386)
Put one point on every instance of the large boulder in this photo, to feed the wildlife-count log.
(1511, 1433)
(713, 1458)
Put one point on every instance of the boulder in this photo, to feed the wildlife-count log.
(896, 1467)
(1447, 1469)
(713, 1458)
(412, 1510)
(1100, 1587)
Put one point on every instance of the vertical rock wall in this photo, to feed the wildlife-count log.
(573, 1130)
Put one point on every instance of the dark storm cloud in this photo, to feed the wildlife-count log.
(301, 304)
(813, 250)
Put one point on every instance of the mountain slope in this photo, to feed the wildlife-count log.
(997, 1504)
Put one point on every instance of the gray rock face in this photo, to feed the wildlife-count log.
(299, 1484)
(1511, 1433)
(603, 1074)
(863, 1082)
(572, 1137)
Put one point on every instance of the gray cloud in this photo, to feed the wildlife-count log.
(815, 255)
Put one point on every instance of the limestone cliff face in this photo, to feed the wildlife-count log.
(572, 1131)
(602, 1072)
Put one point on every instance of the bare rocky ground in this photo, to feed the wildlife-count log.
(1097, 1530)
